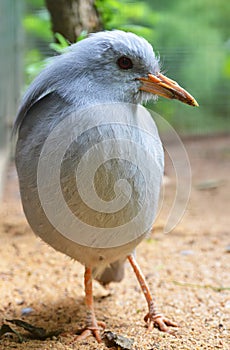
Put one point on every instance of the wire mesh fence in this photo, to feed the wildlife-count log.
(11, 51)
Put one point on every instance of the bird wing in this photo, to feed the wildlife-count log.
(28, 102)
(45, 84)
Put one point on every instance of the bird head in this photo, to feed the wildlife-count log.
(107, 67)
(122, 67)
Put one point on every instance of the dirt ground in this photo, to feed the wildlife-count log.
(188, 270)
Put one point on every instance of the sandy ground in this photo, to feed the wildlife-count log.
(187, 270)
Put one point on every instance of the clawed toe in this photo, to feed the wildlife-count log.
(88, 330)
(161, 322)
(153, 318)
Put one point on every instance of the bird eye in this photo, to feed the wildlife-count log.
(125, 62)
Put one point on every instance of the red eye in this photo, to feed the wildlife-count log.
(125, 62)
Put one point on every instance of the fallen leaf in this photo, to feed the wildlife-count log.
(37, 332)
(7, 329)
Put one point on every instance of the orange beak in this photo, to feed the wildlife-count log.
(163, 86)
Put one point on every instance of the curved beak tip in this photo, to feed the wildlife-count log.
(195, 103)
(168, 88)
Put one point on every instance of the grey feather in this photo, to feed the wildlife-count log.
(85, 75)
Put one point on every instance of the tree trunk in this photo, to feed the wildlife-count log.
(71, 17)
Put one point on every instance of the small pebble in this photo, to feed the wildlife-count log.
(186, 252)
(26, 310)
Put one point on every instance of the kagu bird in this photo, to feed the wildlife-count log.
(88, 98)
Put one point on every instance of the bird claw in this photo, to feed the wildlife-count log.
(159, 321)
(88, 330)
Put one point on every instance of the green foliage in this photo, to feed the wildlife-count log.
(193, 39)
(136, 17)
(38, 25)
(38, 37)
(226, 63)
(34, 4)
(82, 36)
(33, 63)
(61, 43)
(226, 67)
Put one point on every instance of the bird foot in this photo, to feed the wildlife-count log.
(91, 330)
(159, 321)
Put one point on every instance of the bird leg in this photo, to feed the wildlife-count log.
(153, 317)
(92, 325)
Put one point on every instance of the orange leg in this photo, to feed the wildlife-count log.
(92, 325)
(153, 317)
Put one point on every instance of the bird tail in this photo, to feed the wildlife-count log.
(113, 273)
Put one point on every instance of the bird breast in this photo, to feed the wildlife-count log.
(90, 179)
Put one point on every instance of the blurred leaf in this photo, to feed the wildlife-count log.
(61, 45)
(35, 3)
(226, 67)
(56, 47)
(82, 36)
(33, 69)
(34, 64)
(38, 25)
(62, 40)
(127, 15)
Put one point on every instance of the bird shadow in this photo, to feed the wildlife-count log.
(66, 315)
